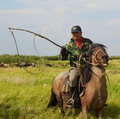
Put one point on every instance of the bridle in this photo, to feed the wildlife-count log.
(95, 59)
(95, 56)
(95, 64)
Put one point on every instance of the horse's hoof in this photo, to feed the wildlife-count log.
(63, 115)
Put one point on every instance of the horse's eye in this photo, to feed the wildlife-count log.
(92, 51)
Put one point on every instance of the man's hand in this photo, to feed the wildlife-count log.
(64, 53)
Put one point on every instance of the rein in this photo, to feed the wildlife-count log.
(95, 59)
(91, 62)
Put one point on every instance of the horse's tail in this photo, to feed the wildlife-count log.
(53, 100)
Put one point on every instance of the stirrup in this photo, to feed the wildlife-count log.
(70, 103)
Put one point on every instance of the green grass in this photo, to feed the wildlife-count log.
(25, 96)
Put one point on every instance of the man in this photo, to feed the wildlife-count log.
(77, 46)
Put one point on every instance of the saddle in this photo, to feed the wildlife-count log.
(66, 91)
(66, 85)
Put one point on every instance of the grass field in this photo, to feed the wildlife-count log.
(25, 96)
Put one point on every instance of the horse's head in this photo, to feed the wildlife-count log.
(98, 54)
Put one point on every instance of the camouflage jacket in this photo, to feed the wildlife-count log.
(73, 49)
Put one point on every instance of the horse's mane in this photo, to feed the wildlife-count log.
(87, 72)
(94, 45)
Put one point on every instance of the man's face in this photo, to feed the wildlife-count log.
(76, 35)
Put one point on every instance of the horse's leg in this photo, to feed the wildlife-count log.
(60, 104)
(84, 112)
(84, 107)
(99, 113)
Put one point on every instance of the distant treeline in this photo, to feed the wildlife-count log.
(25, 58)
(33, 59)
(114, 57)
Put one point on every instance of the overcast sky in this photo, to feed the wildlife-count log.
(99, 20)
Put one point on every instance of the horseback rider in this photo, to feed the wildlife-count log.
(78, 46)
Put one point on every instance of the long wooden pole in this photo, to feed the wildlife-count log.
(37, 35)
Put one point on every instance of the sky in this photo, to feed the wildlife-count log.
(99, 20)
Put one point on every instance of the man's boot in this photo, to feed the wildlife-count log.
(70, 102)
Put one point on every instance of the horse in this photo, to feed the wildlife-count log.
(94, 93)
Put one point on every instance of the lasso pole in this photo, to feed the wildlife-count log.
(37, 35)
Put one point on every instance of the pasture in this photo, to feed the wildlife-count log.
(25, 96)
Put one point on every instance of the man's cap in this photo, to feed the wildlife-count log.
(76, 29)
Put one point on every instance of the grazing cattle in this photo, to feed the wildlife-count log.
(17, 64)
(61, 64)
(33, 65)
(24, 64)
(4, 65)
(49, 65)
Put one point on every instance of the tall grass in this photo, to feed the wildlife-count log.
(25, 96)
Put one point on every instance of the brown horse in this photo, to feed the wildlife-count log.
(95, 92)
